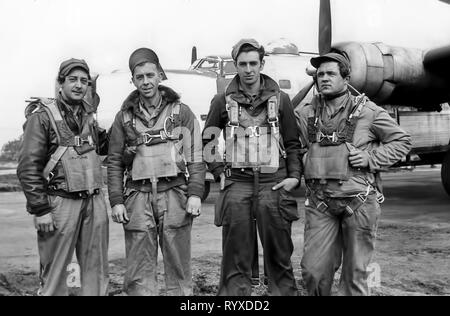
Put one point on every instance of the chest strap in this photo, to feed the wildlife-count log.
(164, 135)
(315, 135)
(235, 110)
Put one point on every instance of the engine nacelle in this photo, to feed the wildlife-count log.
(393, 75)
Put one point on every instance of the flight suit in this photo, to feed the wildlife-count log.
(342, 203)
(156, 190)
(256, 159)
(66, 158)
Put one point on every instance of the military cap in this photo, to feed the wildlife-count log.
(68, 65)
(238, 46)
(316, 61)
(143, 55)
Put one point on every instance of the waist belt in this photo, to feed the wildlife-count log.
(73, 195)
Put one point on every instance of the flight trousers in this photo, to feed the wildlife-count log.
(82, 226)
(169, 223)
(274, 216)
(332, 238)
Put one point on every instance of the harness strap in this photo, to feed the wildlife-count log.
(54, 115)
(316, 135)
(154, 182)
(163, 135)
(54, 159)
(324, 205)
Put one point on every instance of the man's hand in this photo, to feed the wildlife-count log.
(287, 184)
(359, 158)
(119, 214)
(45, 223)
(194, 205)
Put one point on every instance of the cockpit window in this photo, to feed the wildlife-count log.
(229, 68)
(209, 65)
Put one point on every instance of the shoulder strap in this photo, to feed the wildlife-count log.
(54, 159)
(273, 105)
(273, 108)
(54, 115)
(232, 108)
(51, 108)
(350, 125)
(175, 115)
(360, 103)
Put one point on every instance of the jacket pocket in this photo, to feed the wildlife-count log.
(287, 205)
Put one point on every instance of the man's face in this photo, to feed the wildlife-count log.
(146, 78)
(330, 80)
(75, 85)
(249, 67)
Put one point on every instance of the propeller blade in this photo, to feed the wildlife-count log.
(302, 94)
(324, 27)
(194, 54)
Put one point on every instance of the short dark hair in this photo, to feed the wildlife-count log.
(249, 48)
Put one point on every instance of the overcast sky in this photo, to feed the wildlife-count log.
(37, 35)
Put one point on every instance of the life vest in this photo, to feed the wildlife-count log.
(158, 152)
(76, 153)
(254, 141)
(327, 157)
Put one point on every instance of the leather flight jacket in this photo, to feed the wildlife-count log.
(75, 156)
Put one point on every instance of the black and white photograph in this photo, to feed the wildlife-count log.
(234, 149)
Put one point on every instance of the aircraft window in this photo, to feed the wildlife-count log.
(209, 65)
(229, 68)
(195, 64)
(285, 84)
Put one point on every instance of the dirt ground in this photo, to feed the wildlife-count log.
(413, 243)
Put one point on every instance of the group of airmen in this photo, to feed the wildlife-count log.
(157, 157)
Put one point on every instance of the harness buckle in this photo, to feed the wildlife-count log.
(380, 197)
(167, 134)
(322, 206)
(79, 141)
(163, 134)
(256, 132)
(363, 196)
(333, 138)
(233, 128)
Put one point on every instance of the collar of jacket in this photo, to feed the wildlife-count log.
(86, 107)
(319, 101)
(269, 88)
(168, 96)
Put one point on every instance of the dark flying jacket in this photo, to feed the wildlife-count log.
(39, 143)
